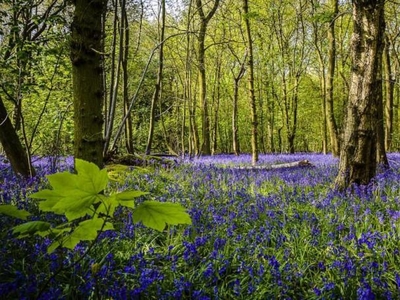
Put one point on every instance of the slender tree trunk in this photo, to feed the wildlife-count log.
(330, 115)
(253, 104)
(128, 123)
(359, 151)
(87, 75)
(205, 118)
(215, 104)
(236, 80)
(108, 105)
(389, 99)
(157, 90)
(12, 145)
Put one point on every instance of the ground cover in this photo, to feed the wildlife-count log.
(259, 234)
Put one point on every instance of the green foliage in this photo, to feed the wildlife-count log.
(12, 211)
(156, 215)
(80, 198)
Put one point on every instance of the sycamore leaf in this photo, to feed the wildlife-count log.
(76, 214)
(54, 245)
(91, 178)
(107, 205)
(86, 231)
(74, 194)
(126, 198)
(51, 199)
(32, 227)
(62, 181)
(156, 215)
(13, 211)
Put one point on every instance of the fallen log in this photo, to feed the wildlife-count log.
(300, 163)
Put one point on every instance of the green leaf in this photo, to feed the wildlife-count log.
(13, 211)
(32, 227)
(54, 245)
(126, 198)
(107, 205)
(74, 194)
(91, 178)
(156, 215)
(62, 181)
(86, 231)
(51, 199)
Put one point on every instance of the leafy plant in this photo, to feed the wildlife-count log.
(88, 211)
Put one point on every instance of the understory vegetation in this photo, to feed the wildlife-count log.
(255, 234)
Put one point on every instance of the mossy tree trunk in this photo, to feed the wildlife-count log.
(12, 145)
(201, 61)
(87, 74)
(358, 159)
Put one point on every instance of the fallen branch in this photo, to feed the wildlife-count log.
(300, 163)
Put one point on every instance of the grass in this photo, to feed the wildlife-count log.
(259, 234)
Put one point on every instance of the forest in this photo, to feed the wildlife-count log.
(177, 76)
(199, 149)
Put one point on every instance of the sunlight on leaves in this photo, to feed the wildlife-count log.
(157, 215)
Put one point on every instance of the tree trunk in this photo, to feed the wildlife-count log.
(253, 105)
(330, 115)
(236, 80)
(128, 123)
(358, 153)
(12, 145)
(205, 118)
(389, 100)
(157, 89)
(87, 70)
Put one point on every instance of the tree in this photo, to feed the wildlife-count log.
(330, 117)
(158, 85)
(201, 50)
(12, 145)
(23, 27)
(87, 75)
(250, 62)
(358, 159)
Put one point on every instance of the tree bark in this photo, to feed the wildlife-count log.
(87, 70)
(358, 154)
(253, 105)
(389, 99)
(158, 86)
(205, 118)
(330, 115)
(12, 145)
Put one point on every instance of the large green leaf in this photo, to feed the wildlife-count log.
(91, 178)
(62, 181)
(32, 227)
(156, 215)
(74, 194)
(13, 211)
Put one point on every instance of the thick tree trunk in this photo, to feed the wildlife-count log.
(87, 70)
(358, 154)
(12, 145)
